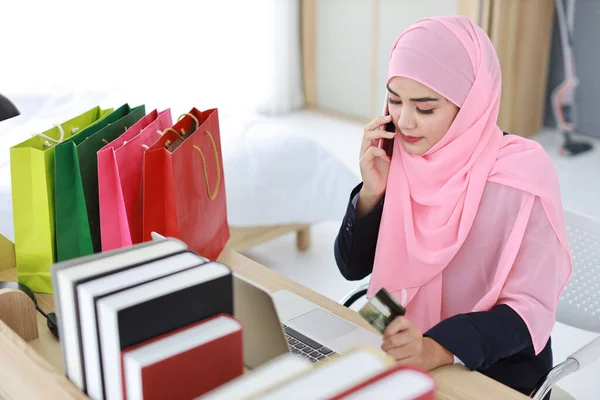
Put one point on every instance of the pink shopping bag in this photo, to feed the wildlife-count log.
(120, 180)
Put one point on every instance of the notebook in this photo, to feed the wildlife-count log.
(154, 308)
(332, 376)
(67, 275)
(399, 383)
(90, 292)
(185, 363)
(267, 375)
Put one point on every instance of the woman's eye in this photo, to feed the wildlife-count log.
(392, 101)
(426, 112)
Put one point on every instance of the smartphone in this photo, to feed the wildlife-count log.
(387, 144)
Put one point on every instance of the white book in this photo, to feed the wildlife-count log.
(89, 292)
(65, 277)
(265, 376)
(399, 385)
(109, 309)
(332, 377)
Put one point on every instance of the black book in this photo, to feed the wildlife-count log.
(143, 312)
(88, 293)
(67, 275)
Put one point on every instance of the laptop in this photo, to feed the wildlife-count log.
(285, 322)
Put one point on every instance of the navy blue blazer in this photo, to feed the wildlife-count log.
(496, 342)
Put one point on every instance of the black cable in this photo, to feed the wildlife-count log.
(51, 320)
(41, 311)
(21, 287)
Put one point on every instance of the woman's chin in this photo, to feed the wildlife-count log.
(417, 149)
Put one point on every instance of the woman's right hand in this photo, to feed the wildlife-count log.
(374, 164)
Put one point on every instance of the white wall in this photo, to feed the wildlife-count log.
(343, 55)
(206, 53)
(350, 33)
(396, 16)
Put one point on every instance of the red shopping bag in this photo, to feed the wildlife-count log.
(184, 186)
(120, 180)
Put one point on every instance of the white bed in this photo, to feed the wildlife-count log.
(277, 181)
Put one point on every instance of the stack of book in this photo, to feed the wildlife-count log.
(150, 321)
(156, 321)
(360, 374)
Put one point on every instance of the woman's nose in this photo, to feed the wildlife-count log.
(406, 120)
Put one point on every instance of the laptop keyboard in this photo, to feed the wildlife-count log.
(306, 347)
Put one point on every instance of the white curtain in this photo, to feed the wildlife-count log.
(279, 83)
(238, 54)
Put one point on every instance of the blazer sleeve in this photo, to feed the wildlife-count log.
(480, 339)
(354, 246)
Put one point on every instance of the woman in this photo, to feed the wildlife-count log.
(462, 224)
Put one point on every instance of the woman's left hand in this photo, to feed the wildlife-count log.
(406, 344)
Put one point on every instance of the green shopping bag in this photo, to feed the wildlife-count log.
(32, 182)
(76, 180)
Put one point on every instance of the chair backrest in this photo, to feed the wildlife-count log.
(579, 305)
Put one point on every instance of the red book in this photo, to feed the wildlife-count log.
(185, 363)
(397, 383)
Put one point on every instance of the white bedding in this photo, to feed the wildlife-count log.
(6, 218)
(273, 175)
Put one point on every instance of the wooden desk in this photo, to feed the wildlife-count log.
(35, 369)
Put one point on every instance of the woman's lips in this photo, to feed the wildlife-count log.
(411, 139)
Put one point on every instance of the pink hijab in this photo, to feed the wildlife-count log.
(434, 201)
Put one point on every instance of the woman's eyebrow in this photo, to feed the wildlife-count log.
(423, 99)
(417, 100)
(391, 91)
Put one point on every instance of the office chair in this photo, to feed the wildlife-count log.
(579, 304)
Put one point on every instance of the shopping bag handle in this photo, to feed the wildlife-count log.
(211, 196)
(168, 143)
(145, 146)
(175, 132)
(50, 141)
(192, 116)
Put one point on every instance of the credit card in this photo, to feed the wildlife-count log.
(381, 310)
